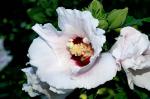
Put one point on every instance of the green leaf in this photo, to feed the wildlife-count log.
(37, 15)
(101, 91)
(83, 96)
(103, 24)
(96, 8)
(3, 84)
(120, 95)
(146, 19)
(44, 3)
(117, 17)
(130, 20)
(141, 94)
(2, 95)
(91, 96)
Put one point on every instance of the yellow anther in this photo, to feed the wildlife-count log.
(82, 49)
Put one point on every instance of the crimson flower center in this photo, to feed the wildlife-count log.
(80, 50)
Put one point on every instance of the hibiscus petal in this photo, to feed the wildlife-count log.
(34, 86)
(147, 52)
(141, 78)
(129, 44)
(101, 72)
(45, 57)
(73, 21)
(139, 62)
(130, 79)
(46, 31)
(4, 57)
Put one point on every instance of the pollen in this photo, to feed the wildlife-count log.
(80, 50)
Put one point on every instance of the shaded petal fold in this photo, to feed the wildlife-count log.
(129, 44)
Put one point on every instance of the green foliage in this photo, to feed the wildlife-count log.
(130, 21)
(116, 18)
(43, 10)
(83, 96)
(146, 19)
(37, 15)
(111, 20)
(96, 8)
(142, 94)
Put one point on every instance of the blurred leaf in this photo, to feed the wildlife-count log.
(146, 19)
(101, 91)
(83, 96)
(120, 95)
(130, 20)
(37, 15)
(117, 17)
(44, 3)
(49, 11)
(142, 95)
(2, 95)
(3, 84)
(91, 96)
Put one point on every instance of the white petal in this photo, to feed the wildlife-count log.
(46, 31)
(52, 59)
(139, 62)
(1, 43)
(138, 71)
(147, 52)
(141, 78)
(130, 79)
(34, 85)
(41, 54)
(130, 43)
(4, 57)
(104, 70)
(73, 21)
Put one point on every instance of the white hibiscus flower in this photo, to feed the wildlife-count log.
(71, 58)
(4, 57)
(132, 52)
